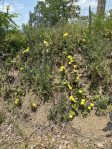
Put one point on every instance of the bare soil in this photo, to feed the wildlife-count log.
(24, 129)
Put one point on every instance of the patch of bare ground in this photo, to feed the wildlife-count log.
(24, 129)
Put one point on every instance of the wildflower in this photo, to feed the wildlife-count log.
(75, 70)
(26, 50)
(65, 34)
(71, 114)
(92, 105)
(46, 43)
(70, 87)
(70, 62)
(33, 106)
(80, 91)
(62, 68)
(82, 102)
(72, 99)
(75, 66)
(17, 102)
(70, 57)
(89, 107)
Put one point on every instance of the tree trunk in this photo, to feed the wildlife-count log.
(101, 7)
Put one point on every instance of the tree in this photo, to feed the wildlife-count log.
(101, 7)
(53, 11)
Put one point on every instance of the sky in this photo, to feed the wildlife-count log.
(22, 8)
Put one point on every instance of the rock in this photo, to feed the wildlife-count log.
(99, 145)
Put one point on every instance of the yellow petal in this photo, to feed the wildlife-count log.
(62, 68)
(89, 107)
(92, 105)
(70, 116)
(70, 87)
(72, 98)
(65, 34)
(26, 50)
(75, 66)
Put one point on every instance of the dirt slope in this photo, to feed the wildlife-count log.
(23, 129)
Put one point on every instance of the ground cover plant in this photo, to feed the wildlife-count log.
(57, 61)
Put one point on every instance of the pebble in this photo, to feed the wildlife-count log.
(100, 145)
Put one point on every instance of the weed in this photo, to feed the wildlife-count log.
(2, 118)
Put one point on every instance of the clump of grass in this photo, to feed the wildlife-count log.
(2, 118)
(59, 113)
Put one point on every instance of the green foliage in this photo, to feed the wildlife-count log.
(98, 52)
(11, 39)
(103, 106)
(73, 60)
(6, 22)
(2, 118)
(59, 112)
(52, 11)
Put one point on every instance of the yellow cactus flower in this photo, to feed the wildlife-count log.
(92, 105)
(70, 57)
(70, 87)
(77, 78)
(62, 68)
(75, 70)
(75, 66)
(33, 106)
(17, 102)
(26, 50)
(70, 62)
(65, 34)
(89, 107)
(71, 114)
(72, 99)
(46, 43)
(80, 91)
(82, 102)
